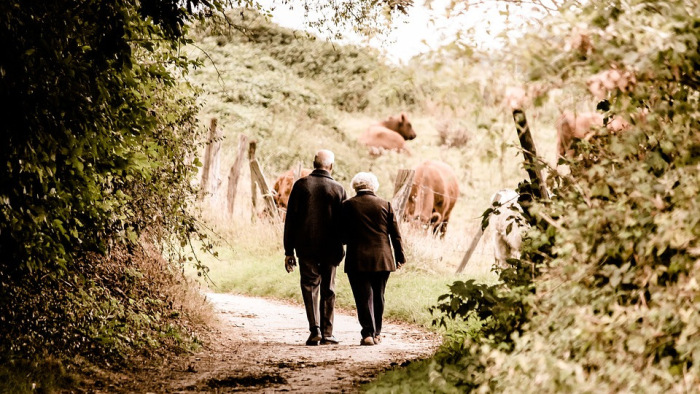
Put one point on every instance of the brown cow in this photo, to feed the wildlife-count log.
(433, 195)
(283, 186)
(390, 134)
(583, 126)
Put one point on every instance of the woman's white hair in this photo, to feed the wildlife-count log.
(365, 181)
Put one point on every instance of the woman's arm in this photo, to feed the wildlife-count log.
(395, 236)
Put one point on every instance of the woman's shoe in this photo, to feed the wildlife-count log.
(377, 339)
(329, 341)
(367, 341)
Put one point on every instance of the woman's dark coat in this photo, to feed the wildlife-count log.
(370, 229)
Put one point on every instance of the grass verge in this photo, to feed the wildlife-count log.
(253, 264)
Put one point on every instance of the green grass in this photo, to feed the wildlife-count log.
(250, 261)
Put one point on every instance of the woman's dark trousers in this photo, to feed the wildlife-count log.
(368, 290)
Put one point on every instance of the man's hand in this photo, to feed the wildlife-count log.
(400, 264)
(289, 263)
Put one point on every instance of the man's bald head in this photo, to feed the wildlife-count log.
(324, 160)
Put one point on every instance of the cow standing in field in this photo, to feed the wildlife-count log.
(283, 186)
(583, 126)
(507, 225)
(433, 195)
(390, 134)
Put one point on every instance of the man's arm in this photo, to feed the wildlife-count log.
(290, 222)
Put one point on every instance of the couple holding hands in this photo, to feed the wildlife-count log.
(320, 219)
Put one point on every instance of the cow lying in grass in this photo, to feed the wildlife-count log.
(390, 134)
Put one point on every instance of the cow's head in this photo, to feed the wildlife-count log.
(401, 125)
(283, 187)
(414, 212)
(418, 219)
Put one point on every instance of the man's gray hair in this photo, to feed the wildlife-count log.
(365, 181)
(324, 159)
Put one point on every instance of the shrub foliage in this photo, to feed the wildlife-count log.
(96, 136)
(612, 304)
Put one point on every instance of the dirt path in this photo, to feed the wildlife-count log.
(259, 347)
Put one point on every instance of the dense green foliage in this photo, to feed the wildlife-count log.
(96, 136)
(612, 305)
(354, 71)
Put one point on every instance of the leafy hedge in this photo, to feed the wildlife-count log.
(94, 165)
(613, 303)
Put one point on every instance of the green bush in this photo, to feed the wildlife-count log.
(96, 136)
(613, 304)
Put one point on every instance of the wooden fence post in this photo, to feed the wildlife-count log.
(235, 173)
(258, 178)
(472, 246)
(210, 168)
(253, 186)
(297, 172)
(530, 154)
(531, 166)
(402, 190)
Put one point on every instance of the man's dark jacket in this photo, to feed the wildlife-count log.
(313, 223)
(370, 230)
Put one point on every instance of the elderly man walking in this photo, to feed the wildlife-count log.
(312, 229)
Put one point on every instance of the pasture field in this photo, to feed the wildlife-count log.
(253, 88)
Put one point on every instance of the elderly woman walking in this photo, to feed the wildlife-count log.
(370, 231)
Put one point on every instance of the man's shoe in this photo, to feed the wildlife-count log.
(377, 339)
(367, 341)
(329, 341)
(314, 338)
